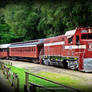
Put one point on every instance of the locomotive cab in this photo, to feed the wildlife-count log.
(79, 45)
(82, 45)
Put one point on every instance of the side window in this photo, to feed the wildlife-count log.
(77, 40)
(70, 40)
(32, 48)
(5, 49)
(1, 50)
(62, 39)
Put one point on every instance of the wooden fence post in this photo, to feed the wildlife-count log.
(32, 88)
(26, 78)
(11, 63)
(7, 72)
(3, 68)
(26, 82)
(13, 80)
(0, 65)
(17, 83)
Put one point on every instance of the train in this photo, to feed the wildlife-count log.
(71, 50)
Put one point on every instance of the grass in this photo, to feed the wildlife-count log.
(68, 80)
(21, 73)
(60, 78)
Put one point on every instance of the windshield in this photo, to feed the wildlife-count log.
(86, 36)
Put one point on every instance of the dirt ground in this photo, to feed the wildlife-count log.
(4, 84)
(38, 68)
(86, 78)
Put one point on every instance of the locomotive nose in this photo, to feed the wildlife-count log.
(88, 64)
(88, 57)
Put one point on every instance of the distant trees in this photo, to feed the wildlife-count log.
(4, 29)
(26, 20)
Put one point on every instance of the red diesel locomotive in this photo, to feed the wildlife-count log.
(72, 50)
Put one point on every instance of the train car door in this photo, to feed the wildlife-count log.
(70, 43)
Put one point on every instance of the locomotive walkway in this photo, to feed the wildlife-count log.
(4, 84)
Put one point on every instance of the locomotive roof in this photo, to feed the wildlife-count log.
(68, 33)
(27, 43)
(4, 45)
(54, 37)
(71, 32)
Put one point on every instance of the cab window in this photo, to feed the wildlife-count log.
(86, 36)
(70, 40)
(77, 40)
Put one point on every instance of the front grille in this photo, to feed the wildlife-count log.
(88, 64)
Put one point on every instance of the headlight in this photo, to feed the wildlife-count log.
(89, 31)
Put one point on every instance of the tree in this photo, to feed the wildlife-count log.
(25, 20)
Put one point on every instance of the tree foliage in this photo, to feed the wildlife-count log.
(35, 19)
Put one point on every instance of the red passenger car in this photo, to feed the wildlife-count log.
(26, 50)
(4, 51)
(72, 50)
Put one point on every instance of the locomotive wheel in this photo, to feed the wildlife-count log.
(14, 58)
(35, 61)
(73, 65)
(7, 58)
(65, 64)
(47, 62)
(42, 62)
